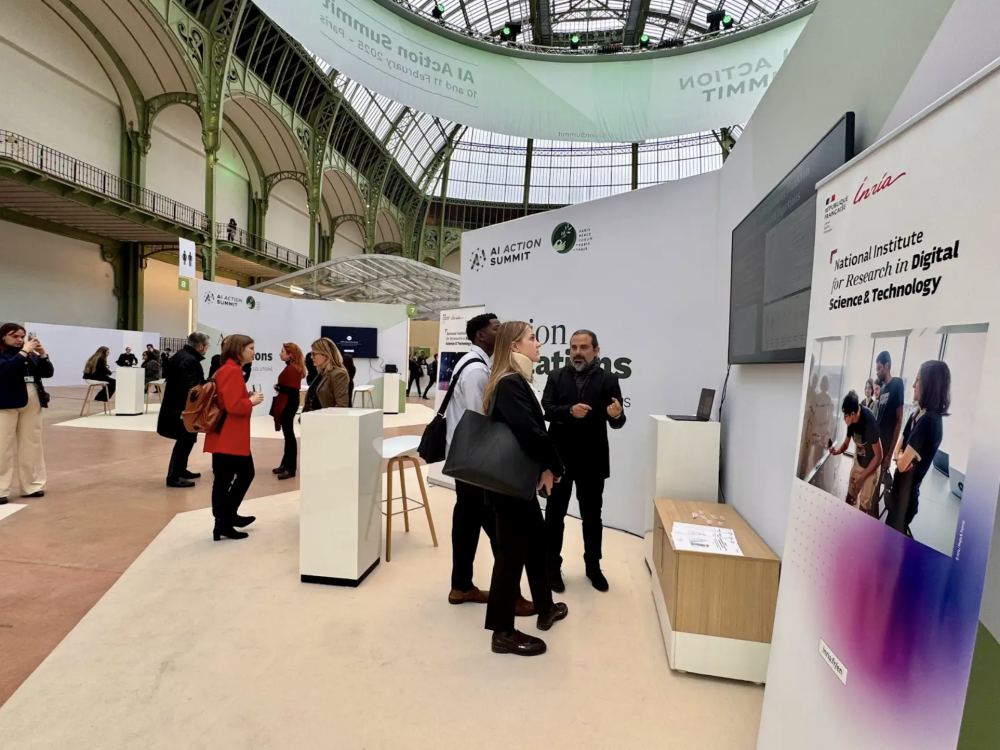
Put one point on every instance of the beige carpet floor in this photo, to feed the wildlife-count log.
(218, 645)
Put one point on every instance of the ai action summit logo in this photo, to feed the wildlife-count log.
(478, 260)
(209, 298)
(563, 238)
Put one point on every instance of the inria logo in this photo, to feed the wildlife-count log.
(251, 303)
(209, 298)
(478, 260)
(867, 191)
(563, 238)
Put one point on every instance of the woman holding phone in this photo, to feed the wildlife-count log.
(520, 544)
(229, 444)
(23, 364)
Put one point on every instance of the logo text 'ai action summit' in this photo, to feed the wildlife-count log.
(563, 238)
(501, 255)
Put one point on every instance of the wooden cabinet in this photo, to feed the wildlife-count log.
(716, 611)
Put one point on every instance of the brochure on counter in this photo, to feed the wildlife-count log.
(689, 537)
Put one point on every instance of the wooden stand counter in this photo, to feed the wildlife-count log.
(716, 611)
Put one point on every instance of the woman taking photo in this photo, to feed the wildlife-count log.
(229, 443)
(23, 364)
(921, 439)
(332, 383)
(97, 369)
(520, 528)
(286, 404)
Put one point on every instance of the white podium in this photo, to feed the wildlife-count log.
(130, 393)
(683, 465)
(390, 393)
(340, 495)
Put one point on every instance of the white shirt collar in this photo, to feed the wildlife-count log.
(478, 350)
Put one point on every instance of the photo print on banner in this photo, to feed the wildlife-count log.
(883, 572)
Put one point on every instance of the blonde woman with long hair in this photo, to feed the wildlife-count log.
(332, 387)
(510, 399)
(97, 369)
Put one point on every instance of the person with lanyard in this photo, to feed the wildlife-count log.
(865, 471)
(23, 364)
(471, 512)
(581, 401)
(921, 439)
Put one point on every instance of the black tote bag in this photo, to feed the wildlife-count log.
(434, 442)
(486, 454)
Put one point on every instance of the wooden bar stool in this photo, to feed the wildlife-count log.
(400, 451)
(157, 386)
(365, 390)
(93, 388)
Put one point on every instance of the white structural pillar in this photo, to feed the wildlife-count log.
(340, 496)
(130, 393)
(390, 393)
(683, 465)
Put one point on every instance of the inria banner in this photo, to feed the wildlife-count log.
(626, 99)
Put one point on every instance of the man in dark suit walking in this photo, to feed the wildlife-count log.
(580, 401)
(183, 372)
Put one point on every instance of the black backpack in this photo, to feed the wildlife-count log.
(434, 443)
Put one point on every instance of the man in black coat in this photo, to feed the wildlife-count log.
(580, 401)
(127, 359)
(183, 372)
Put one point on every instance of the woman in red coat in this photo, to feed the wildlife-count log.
(229, 445)
(286, 405)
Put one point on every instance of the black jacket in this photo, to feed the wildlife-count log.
(127, 360)
(182, 372)
(101, 371)
(216, 363)
(583, 443)
(13, 370)
(515, 405)
(432, 370)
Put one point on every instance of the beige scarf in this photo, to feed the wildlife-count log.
(523, 365)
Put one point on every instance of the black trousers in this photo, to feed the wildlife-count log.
(233, 477)
(590, 496)
(470, 515)
(413, 379)
(112, 384)
(430, 383)
(290, 460)
(520, 546)
(180, 455)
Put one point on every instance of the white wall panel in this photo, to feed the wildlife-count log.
(52, 279)
(53, 89)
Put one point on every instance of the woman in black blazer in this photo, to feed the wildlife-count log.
(97, 369)
(520, 528)
(23, 364)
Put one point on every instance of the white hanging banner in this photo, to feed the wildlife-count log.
(623, 98)
(187, 268)
(880, 595)
(453, 344)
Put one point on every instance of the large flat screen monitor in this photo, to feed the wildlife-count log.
(773, 258)
(360, 343)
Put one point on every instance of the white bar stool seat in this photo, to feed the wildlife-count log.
(364, 390)
(93, 388)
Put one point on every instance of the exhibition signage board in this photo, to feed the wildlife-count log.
(624, 98)
(453, 344)
(272, 321)
(607, 266)
(188, 258)
(876, 627)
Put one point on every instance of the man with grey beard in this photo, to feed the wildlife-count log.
(581, 401)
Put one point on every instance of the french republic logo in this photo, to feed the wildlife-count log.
(834, 206)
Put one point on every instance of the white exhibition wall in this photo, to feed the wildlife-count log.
(642, 275)
(69, 348)
(272, 320)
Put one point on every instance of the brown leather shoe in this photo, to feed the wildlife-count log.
(523, 608)
(473, 596)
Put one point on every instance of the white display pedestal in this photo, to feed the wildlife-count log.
(390, 393)
(340, 495)
(130, 393)
(683, 465)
